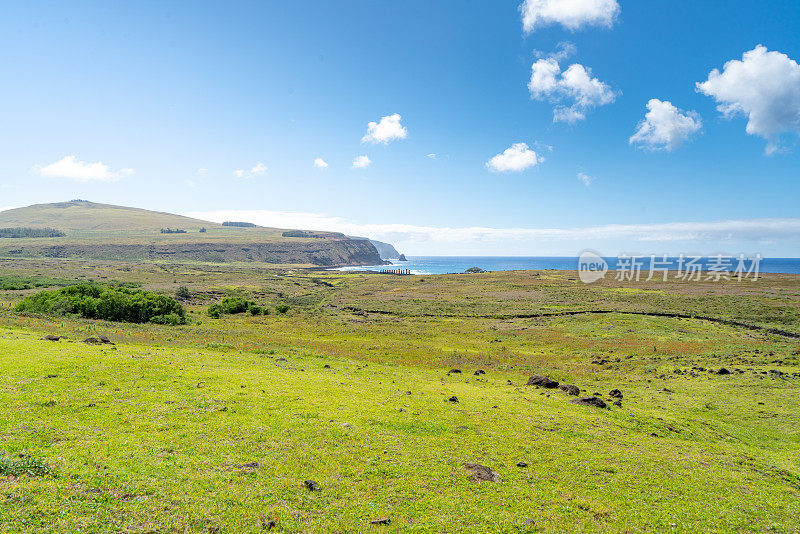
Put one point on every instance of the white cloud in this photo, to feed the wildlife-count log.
(575, 85)
(665, 127)
(515, 158)
(586, 179)
(432, 155)
(72, 168)
(360, 162)
(572, 14)
(388, 129)
(257, 170)
(320, 163)
(202, 171)
(475, 240)
(765, 87)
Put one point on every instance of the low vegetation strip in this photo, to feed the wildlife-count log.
(110, 303)
(727, 322)
(21, 233)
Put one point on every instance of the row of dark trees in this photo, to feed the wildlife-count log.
(20, 232)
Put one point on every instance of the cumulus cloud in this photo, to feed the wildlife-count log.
(320, 163)
(765, 87)
(572, 14)
(387, 129)
(515, 158)
(665, 127)
(257, 170)
(71, 168)
(361, 162)
(586, 179)
(574, 91)
(527, 241)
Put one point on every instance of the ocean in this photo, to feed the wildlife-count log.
(458, 264)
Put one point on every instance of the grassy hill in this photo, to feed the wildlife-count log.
(108, 232)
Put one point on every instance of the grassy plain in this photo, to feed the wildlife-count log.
(214, 426)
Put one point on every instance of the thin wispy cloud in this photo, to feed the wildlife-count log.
(586, 179)
(435, 240)
(257, 170)
(320, 163)
(71, 168)
(361, 162)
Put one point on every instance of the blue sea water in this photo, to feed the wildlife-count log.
(459, 264)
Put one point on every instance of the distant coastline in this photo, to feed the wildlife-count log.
(427, 265)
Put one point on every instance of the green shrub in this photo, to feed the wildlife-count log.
(232, 305)
(183, 293)
(282, 308)
(25, 465)
(108, 303)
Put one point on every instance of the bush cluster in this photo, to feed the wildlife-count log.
(110, 303)
(231, 305)
(20, 232)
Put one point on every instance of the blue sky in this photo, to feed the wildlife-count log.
(158, 105)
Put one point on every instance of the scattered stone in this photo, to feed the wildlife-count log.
(51, 376)
(569, 389)
(482, 473)
(381, 521)
(104, 339)
(522, 464)
(91, 340)
(723, 371)
(311, 485)
(665, 390)
(479, 372)
(453, 399)
(248, 465)
(590, 401)
(326, 366)
(268, 524)
(542, 381)
(454, 372)
(618, 403)
(615, 393)
(280, 359)
(51, 337)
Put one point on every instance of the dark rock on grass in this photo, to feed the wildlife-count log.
(453, 399)
(51, 376)
(326, 366)
(522, 464)
(92, 340)
(311, 485)
(51, 337)
(248, 465)
(381, 521)
(104, 339)
(280, 359)
(590, 401)
(723, 371)
(482, 473)
(570, 389)
(542, 381)
(454, 371)
(267, 523)
(615, 393)
(618, 403)
(479, 372)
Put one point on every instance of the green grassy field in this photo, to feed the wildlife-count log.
(214, 426)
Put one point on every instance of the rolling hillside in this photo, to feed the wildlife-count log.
(108, 232)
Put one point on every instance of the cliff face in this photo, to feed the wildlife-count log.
(321, 252)
(386, 250)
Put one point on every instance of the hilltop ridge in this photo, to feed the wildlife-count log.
(110, 232)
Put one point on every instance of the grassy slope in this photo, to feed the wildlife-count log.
(171, 421)
(102, 231)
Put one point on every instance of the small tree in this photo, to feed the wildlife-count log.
(282, 308)
(183, 293)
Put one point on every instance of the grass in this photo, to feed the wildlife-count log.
(162, 431)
